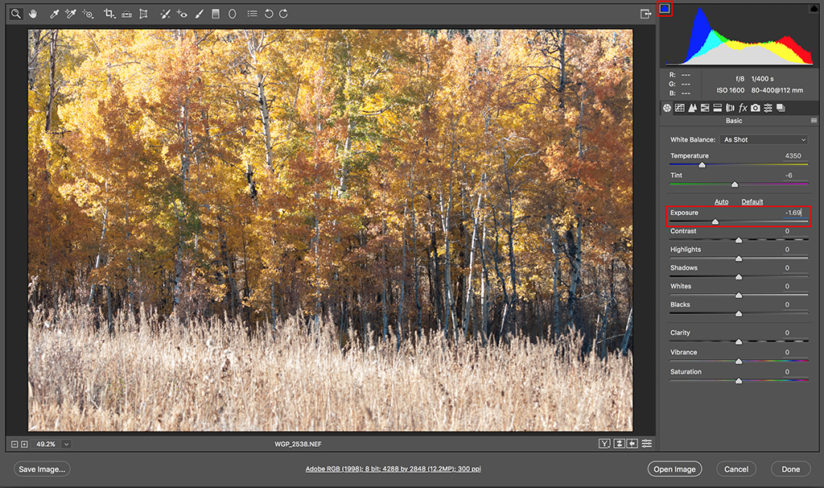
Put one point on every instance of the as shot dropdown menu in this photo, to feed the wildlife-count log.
(764, 139)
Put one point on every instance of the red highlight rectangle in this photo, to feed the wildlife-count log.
(667, 223)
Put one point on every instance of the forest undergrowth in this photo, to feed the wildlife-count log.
(215, 375)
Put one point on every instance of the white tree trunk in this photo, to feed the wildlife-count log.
(468, 299)
(99, 253)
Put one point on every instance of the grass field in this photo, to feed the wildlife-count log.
(212, 376)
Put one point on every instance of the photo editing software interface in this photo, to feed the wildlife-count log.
(477, 243)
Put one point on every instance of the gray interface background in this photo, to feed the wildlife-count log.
(508, 461)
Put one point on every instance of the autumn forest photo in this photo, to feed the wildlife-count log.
(330, 230)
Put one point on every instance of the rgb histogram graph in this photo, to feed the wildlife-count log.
(725, 35)
(709, 47)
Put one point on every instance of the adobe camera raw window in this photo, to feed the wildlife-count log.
(412, 244)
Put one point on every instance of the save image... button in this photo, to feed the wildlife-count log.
(42, 469)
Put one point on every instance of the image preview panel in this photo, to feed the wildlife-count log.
(237, 255)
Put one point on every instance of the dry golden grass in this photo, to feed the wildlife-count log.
(211, 376)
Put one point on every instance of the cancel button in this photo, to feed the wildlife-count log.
(736, 468)
(791, 468)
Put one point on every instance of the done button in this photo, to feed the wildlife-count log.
(674, 469)
(791, 468)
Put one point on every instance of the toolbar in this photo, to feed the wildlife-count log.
(315, 14)
(149, 14)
